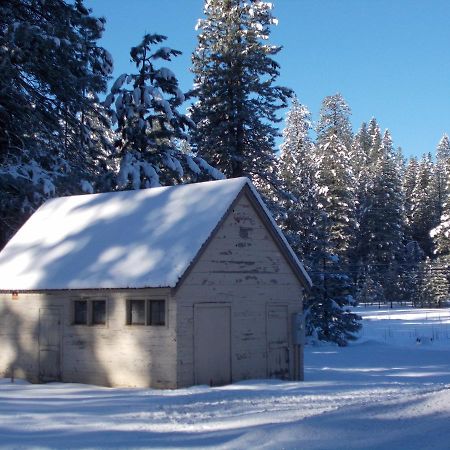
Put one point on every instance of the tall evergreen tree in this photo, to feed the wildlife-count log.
(441, 233)
(296, 169)
(381, 241)
(328, 308)
(434, 287)
(52, 69)
(424, 214)
(238, 100)
(408, 183)
(144, 105)
(442, 172)
(328, 312)
(375, 140)
(361, 157)
(334, 175)
(361, 164)
(439, 281)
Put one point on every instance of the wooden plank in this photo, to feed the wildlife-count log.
(244, 267)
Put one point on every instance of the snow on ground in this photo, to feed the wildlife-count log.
(390, 390)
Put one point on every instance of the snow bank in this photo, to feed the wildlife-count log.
(373, 394)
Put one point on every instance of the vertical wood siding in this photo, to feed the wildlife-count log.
(244, 267)
(114, 354)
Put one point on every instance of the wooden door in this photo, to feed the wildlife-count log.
(212, 344)
(49, 344)
(277, 342)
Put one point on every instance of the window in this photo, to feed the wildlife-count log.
(157, 312)
(136, 312)
(146, 312)
(89, 312)
(80, 312)
(99, 312)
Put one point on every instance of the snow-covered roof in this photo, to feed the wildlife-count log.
(129, 239)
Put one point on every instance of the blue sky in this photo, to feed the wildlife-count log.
(389, 58)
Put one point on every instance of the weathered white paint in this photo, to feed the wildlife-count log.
(244, 267)
(278, 354)
(114, 354)
(50, 344)
(212, 325)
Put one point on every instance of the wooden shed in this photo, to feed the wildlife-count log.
(163, 287)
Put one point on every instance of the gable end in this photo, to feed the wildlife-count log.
(275, 234)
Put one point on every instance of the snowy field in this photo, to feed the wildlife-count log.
(390, 390)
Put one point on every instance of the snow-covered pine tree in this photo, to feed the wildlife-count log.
(424, 214)
(442, 172)
(441, 233)
(334, 176)
(408, 182)
(145, 107)
(296, 171)
(328, 308)
(361, 165)
(367, 290)
(434, 289)
(328, 311)
(51, 71)
(381, 246)
(375, 140)
(412, 273)
(401, 161)
(361, 155)
(439, 281)
(238, 100)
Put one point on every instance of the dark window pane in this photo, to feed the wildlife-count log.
(157, 310)
(99, 312)
(136, 312)
(80, 312)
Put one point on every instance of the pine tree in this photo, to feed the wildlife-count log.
(361, 157)
(144, 106)
(334, 176)
(52, 69)
(296, 170)
(435, 283)
(381, 240)
(442, 172)
(439, 281)
(328, 309)
(368, 290)
(441, 233)
(375, 141)
(424, 214)
(361, 166)
(238, 101)
(408, 182)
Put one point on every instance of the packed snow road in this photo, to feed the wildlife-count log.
(390, 390)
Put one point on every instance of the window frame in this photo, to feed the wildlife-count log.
(147, 312)
(98, 324)
(129, 312)
(90, 312)
(74, 313)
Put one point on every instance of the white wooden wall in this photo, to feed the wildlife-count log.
(244, 267)
(19, 328)
(114, 354)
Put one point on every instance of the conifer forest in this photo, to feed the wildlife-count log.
(369, 224)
